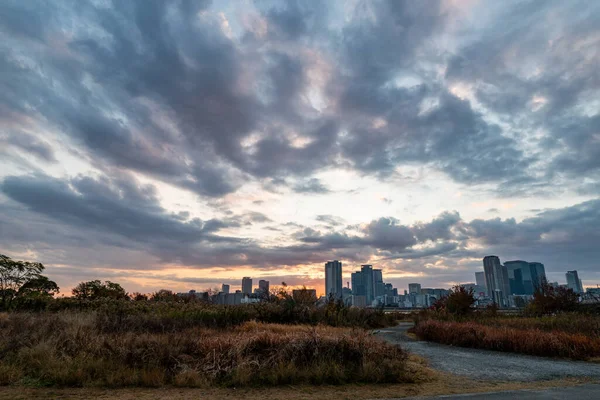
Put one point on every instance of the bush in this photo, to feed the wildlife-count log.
(548, 299)
(161, 316)
(71, 349)
(527, 341)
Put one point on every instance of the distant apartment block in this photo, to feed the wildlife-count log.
(496, 279)
(263, 286)
(246, 285)
(573, 282)
(414, 288)
(333, 279)
(225, 288)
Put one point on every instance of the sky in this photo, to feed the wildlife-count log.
(185, 144)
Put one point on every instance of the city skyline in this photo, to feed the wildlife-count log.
(263, 139)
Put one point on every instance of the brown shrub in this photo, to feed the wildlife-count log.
(69, 349)
(532, 341)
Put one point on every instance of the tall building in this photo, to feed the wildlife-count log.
(378, 285)
(480, 279)
(263, 286)
(246, 285)
(519, 277)
(414, 288)
(333, 279)
(496, 278)
(367, 276)
(358, 284)
(573, 282)
(225, 288)
(540, 272)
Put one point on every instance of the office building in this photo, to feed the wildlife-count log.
(263, 286)
(378, 285)
(246, 285)
(358, 284)
(414, 288)
(480, 280)
(496, 279)
(516, 270)
(540, 272)
(573, 282)
(333, 279)
(225, 288)
(368, 282)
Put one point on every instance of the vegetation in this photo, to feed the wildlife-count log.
(74, 349)
(548, 299)
(94, 290)
(554, 324)
(459, 302)
(22, 285)
(104, 336)
(527, 341)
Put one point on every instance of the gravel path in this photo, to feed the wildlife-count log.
(575, 392)
(488, 365)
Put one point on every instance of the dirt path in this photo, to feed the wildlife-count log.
(489, 365)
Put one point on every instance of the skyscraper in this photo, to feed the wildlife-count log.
(480, 280)
(573, 282)
(496, 278)
(367, 276)
(246, 285)
(414, 288)
(225, 288)
(263, 286)
(519, 277)
(333, 279)
(540, 272)
(378, 285)
(358, 285)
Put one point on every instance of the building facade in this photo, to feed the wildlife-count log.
(573, 282)
(333, 279)
(496, 279)
(263, 286)
(414, 288)
(480, 280)
(246, 285)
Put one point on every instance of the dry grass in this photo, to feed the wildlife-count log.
(442, 384)
(69, 349)
(582, 324)
(525, 341)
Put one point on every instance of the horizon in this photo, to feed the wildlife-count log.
(180, 146)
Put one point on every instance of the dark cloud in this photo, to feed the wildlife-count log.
(330, 220)
(29, 144)
(312, 186)
(120, 206)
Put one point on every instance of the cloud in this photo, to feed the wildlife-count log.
(312, 185)
(119, 206)
(98, 98)
(29, 144)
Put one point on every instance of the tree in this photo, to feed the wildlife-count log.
(165, 295)
(19, 279)
(548, 299)
(137, 296)
(95, 289)
(458, 302)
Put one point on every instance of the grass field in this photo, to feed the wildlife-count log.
(74, 349)
(437, 384)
